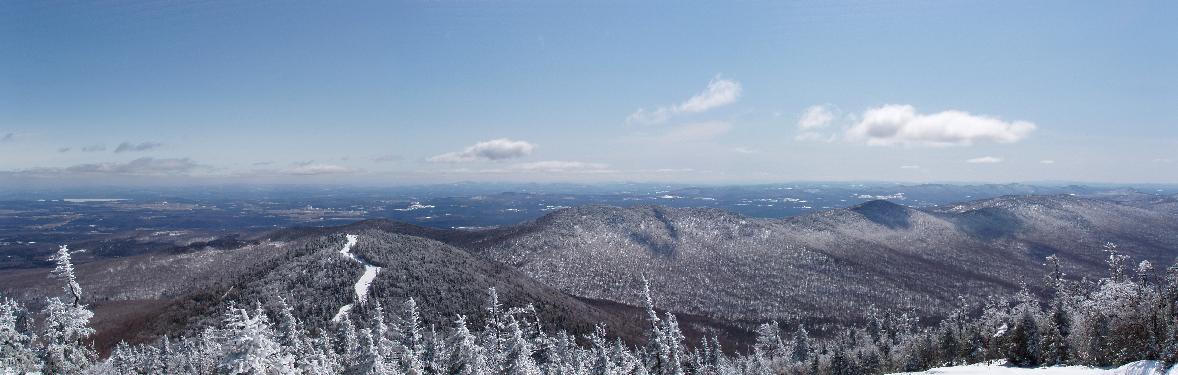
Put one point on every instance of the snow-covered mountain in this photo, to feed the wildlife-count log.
(143, 297)
(582, 266)
(831, 264)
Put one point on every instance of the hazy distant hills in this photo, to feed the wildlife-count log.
(112, 222)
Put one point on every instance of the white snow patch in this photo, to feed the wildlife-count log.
(1134, 368)
(414, 206)
(362, 285)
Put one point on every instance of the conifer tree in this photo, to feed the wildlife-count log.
(801, 351)
(518, 359)
(1024, 341)
(466, 357)
(67, 324)
(16, 351)
(251, 347)
(411, 340)
(347, 339)
(601, 363)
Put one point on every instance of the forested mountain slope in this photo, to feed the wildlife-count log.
(143, 297)
(831, 264)
(583, 266)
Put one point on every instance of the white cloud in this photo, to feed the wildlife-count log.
(720, 92)
(745, 150)
(901, 125)
(816, 117)
(1047, 162)
(561, 166)
(495, 149)
(814, 120)
(144, 146)
(984, 160)
(909, 167)
(309, 169)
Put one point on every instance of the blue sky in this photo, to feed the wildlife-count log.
(699, 92)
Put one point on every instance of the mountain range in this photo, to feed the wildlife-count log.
(721, 271)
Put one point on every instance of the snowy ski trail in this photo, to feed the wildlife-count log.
(365, 281)
(1134, 368)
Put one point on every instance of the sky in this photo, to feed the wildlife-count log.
(388, 93)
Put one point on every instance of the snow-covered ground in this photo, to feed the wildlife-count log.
(1135, 368)
(362, 285)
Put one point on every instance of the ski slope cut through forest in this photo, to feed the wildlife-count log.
(365, 281)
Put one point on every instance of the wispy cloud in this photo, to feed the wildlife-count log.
(1047, 162)
(909, 167)
(7, 137)
(560, 166)
(814, 122)
(902, 125)
(674, 170)
(64, 149)
(816, 117)
(387, 158)
(137, 167)
(311, 168)
(135, 147)
(720, 92)
(495, 149)
(303, 168)
(984, 160)
(94, 148)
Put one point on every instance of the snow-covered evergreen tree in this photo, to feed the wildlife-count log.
(16, 340)
(347, 342)
(65, 270)
(1024, 342)
(409, 329)
(370, 361)
(251, 346)
(518, 360)
(466, 356)
(801, 350)
(67, 324)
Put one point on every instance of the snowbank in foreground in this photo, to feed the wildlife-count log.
(1135, 368)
